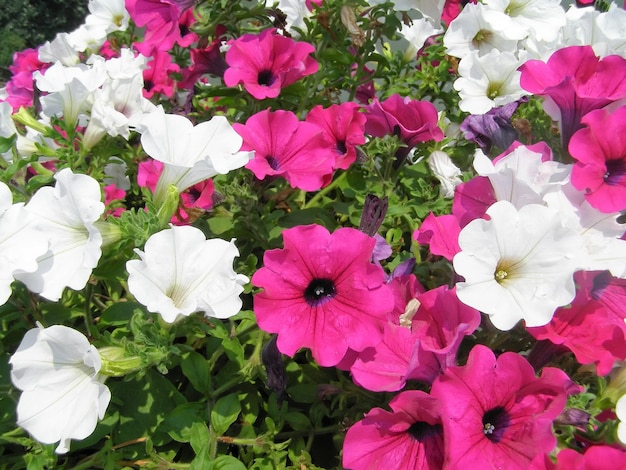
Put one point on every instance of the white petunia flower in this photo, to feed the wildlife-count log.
(542, 19)
(521, 177)
(489, 80)
(473, 31)
(599, 231)
(109, 15)
(448, 174)
(65, 216)
(20, 244)
(416, 35)
(295, 10)
(63, 396)
(519, 265)
(70, 90)
(60, 49)
(189, 153)
(181, 272)
(430, 9)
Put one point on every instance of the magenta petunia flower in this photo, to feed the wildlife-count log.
(156, 77)
(600, 153)
(298, 151)
(413, 121)
(496, 413)
(166, 23)
(574, 82)
(421, 350)
(590, 327)
(344, 125)
(20, 88)
(595, 457)
(267, 62)
(322, 292)
(408, 438)
(441, 233)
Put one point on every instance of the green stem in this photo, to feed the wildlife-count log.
(321, 193)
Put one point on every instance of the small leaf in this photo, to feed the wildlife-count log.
(196, 369)
(227, 462)
(225, 413)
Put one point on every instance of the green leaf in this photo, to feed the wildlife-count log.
(196, 369)
(227, 462)
(225, 413)
(298, 421)
(179, 423)
(6, 143)
(119, 313)
(200, 439)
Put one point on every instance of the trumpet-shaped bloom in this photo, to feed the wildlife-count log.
(473, 30)
(517, 265)
(63, 396)
(344, 124)
(267, 62)
(189, 153)
(20, 244)
(574, 82)
(322, 292)
(181, 272)
(65, 216)
(600, 153)
(298, 151)
(496, 413)
(409, 437)
(489, 80)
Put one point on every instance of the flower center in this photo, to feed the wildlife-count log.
(319, 291)
(495, 422)
(504, 270)
(341, 147)
(615, 172)
(272, 162)
(266, 78)
(481, 36)
(420, 431)
(494, 90)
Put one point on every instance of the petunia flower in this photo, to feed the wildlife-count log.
(493, 128)
(517, 265)
(181, 272)
(496, 412)
(189, 153)
(409, 437)
(322, 292)
(66, 217)
(344, 124)
(573, 82)
(20, 243)
(600, 153)
(267, 62)
(489, 80)
(300, 152)
(63, 396)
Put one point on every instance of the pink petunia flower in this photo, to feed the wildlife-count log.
(267, 62)
(600, 153)
(166, 23)
(574, 82)
(344, 125)
(205, 60)
(441, 233)
(590, 327)
(413, 121)
(408, 438)
(20, 89)
(156, 77)
(595, 457)
(112, 196)
(322, 292)
(496, 412)
(298, 151)
(421, 351)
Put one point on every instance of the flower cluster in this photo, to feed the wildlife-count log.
(317, 234)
